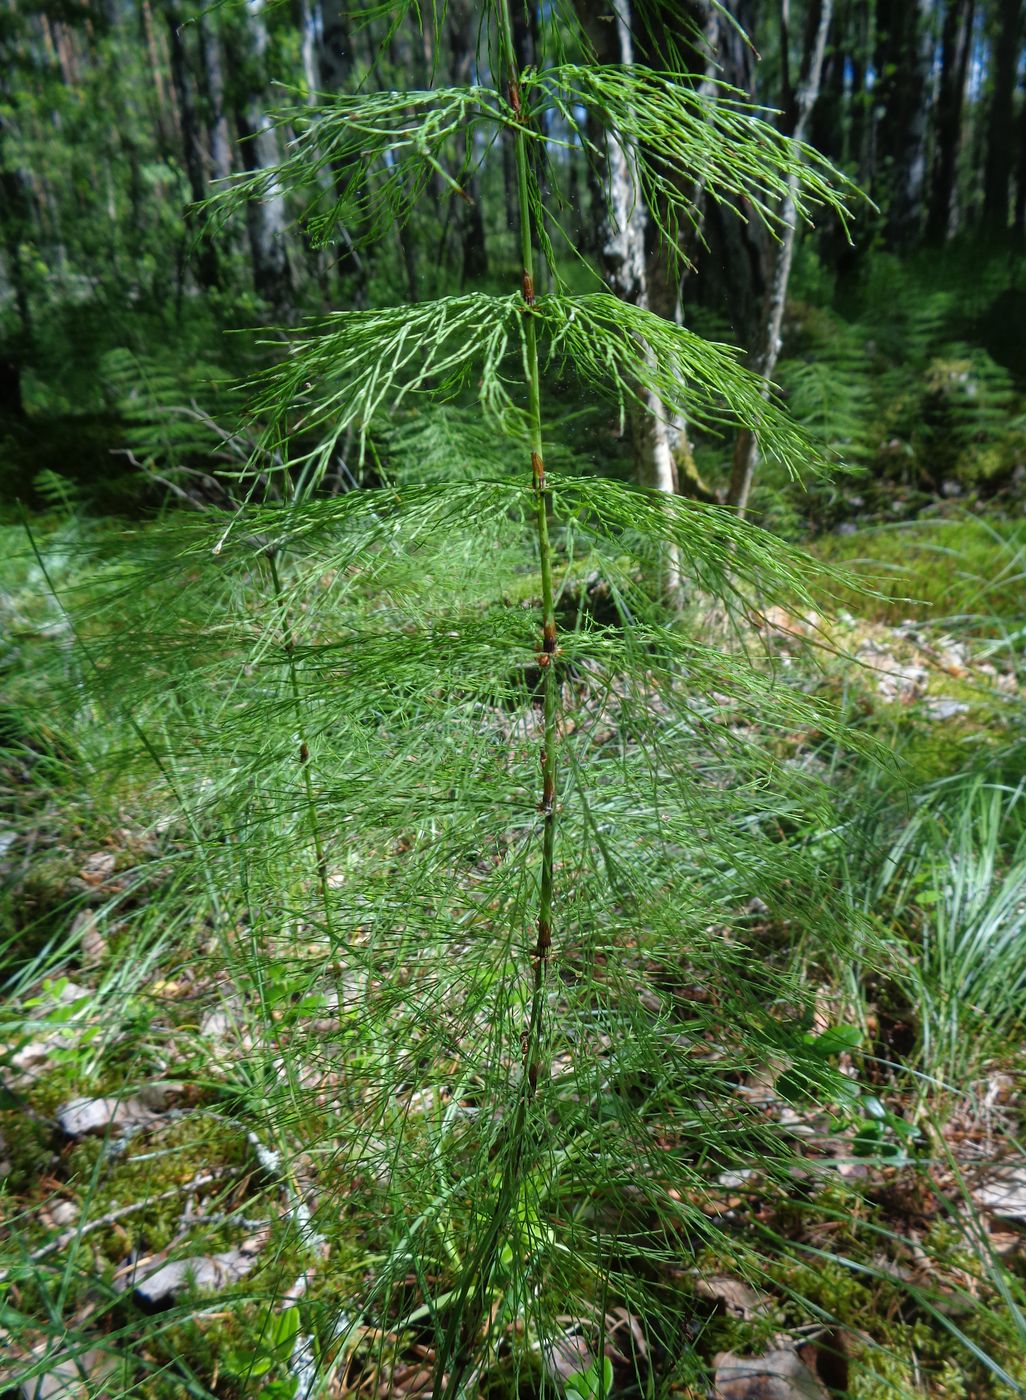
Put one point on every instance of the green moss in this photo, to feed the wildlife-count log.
(28, 1145)
(930, 750)
(933, 569)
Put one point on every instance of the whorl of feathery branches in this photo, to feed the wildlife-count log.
(341, 372)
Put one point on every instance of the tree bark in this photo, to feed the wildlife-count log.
(746, 446)
(473, 247)
(956, 42)
(997, 173)
(622, 253)
(622, 258)
(219, 143)
(267, 219)
(207, 267)
(904, 54)
(701, 41)
(1019, 208)
(19, 218)
(726, 253)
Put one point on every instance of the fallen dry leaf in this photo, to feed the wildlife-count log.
(736, 1299)
(1003, 1192)
(779, 1375)
(98, 867)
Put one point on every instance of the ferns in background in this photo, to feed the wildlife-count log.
(474, 855)
(175, 416)
(898, 381)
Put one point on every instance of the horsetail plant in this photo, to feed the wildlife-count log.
(340, 375)
(490, 946)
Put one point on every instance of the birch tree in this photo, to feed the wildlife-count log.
(266, 217)
(764, 361)
(624, 225)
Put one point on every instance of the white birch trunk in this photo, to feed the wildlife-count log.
(267, 218)
(746, 446)
(624, 258)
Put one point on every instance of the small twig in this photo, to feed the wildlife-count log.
(76, 1232)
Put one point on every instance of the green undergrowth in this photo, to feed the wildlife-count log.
(966, 571)
(340, 1028)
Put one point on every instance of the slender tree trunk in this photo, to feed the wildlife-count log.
(997, 174)
(1019, 208)
(189, 153)
(267, 218)
(595, 214)
(165, 111)
(622, 252)
(829, 129)
(461, 16)
(746, 446)
(192, 147)
(19, 216)
(862, 129)
(702, 37)
(727, 251)
(335, 46)
(327, 55)
(219, 143)
(308, 19)
(956, 42)
(904, 55)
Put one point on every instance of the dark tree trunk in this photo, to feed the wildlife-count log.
(266, 218)
(335, 49)
(19, 207)
(1019, 210)
(728, 252)
(164, 112)
(462, 19)
(904, 53)
(956, 42)
(206, 261)
(997, 173)
(831, 119)
(327, 56)
(746, 446)
(219, 143)
(861, 97)
(525, 32)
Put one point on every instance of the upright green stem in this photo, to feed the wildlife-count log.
(456, 1355)
(547, 655)
(289, 642)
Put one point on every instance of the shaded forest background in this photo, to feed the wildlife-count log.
(902, 346)
(302, 1090)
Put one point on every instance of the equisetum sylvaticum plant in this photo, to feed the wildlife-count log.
(480, 801)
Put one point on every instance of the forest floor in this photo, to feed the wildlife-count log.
(163, 1233)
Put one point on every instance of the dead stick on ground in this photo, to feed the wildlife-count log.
(112, 1216)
